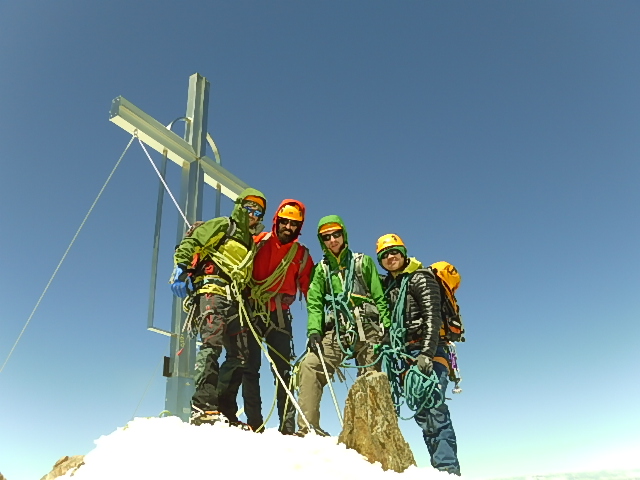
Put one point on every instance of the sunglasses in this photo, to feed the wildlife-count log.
(254, 211)
(288, 221)
(392, 251)
(327, 236)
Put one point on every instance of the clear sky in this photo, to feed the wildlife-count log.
(499, 136)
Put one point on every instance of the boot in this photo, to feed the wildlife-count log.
(199, 416)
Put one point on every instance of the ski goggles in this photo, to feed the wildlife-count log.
(256, 212)
(327, 236)
(391, 251)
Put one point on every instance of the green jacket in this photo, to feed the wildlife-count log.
(206, 237)
(316, 302)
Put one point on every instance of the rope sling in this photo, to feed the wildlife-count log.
(263, 291)
(420, 391)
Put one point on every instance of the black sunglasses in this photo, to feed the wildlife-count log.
(391, 251)
(293, 223)
(327, 236)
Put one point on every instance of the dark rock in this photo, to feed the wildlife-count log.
(63, 465)
(371, 425)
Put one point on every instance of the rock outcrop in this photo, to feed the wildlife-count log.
(63, 465)
(371, 425)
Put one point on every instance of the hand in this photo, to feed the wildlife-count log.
(181, 282)
(314, 344)
(424, 363)
(287, 299)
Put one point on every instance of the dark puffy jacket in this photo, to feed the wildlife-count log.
(422, 309)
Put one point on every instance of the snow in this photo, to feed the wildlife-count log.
(167, 448)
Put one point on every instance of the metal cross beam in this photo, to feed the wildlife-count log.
(197, 169)
(157, 136)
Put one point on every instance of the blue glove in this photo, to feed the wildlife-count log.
(181, 281)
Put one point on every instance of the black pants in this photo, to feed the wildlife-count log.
(217, 386)
(280, 350)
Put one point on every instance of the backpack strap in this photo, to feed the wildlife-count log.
(358, 259)
(262, 241)
(303, 263)
(231, 230)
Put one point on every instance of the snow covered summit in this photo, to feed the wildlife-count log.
(167, 448)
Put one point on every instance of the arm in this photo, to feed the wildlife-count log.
(304, 278)
(208, 233)
(371, 276)
(315, 301)
(426, 292)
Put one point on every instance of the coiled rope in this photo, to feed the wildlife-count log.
(345, 324)
(408, 383)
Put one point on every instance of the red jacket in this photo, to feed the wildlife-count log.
(271, 254)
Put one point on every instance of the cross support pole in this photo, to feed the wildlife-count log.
(197, 169)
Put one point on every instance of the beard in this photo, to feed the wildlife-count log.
(285, 235)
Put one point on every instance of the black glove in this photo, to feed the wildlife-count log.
(314, 343)
(386, 339)
(424, 363)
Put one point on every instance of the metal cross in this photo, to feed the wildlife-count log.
(197, 169)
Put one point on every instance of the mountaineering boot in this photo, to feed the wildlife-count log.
(199, 416)
(303, 432)
(241, 426)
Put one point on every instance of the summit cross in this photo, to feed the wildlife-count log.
(197, 169)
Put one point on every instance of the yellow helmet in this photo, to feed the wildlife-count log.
(292, 212)
(448, 273)
(387, 241)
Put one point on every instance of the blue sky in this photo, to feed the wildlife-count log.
(499, 136)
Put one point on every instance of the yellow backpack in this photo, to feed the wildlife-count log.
(449, 280)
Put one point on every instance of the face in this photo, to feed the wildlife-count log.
(255, 213)
(334, 241)
(392, 260)
(287, 229)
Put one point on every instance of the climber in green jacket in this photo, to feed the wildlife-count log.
(213, 264)
(347, 316)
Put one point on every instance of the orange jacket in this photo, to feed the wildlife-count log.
(271, 253)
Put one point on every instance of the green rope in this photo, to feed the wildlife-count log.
(264, 290)
(340, 305)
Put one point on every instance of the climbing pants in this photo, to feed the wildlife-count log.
(279, 345)
(437, 429)
(220, 327)
(313, 379)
